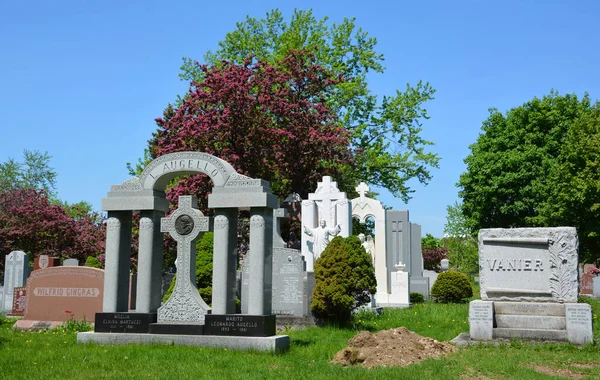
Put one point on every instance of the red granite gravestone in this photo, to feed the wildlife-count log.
(45, 261)
(19, 300)
(63, 293)
(586, 285)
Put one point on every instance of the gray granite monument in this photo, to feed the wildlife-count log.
(529, 287)
(418, 282)
(222, 327)
(16, 271)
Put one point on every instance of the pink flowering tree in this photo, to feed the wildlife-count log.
(33, 223)
(269, 122)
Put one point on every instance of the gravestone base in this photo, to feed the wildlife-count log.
(567, 322)
(127, 323)
(289, 322)
(239, 325)
(276, 343)
(176, 328)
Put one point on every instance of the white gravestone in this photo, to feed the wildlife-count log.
(184, 225)
(481, 320)
(364, 207)
(16, 271)
(326, 213)
(579, 323)
(400, 295)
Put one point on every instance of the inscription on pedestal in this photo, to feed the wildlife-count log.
(579, 323)
(239, 325)
(481, 320)
(123, 322)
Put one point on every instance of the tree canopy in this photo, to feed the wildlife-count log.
(33, 173)
(383, 132)
(268, 122)
(33, 220)
(536, 166)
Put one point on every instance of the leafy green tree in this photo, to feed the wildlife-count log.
(575, 199)
(461, 244)
(33, 173)
(506, 181)
(430, 241)
(385, 132)
(536, 166)
(344, 278)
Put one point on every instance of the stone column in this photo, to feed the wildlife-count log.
(224, 261)
(261, 261)
(116, 264)
(150, 259)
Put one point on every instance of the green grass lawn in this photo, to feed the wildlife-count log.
(52, 355)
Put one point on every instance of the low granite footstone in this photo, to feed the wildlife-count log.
(481, 320)
(129, 323)
(579, 323)
(240, 325)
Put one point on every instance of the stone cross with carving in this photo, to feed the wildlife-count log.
(326, 195)
(184, 225)
(362, 190)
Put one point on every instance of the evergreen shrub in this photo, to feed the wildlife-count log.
(452, 287)
(416, 298)
(344, 280)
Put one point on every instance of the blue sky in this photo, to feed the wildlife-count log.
(84, 81)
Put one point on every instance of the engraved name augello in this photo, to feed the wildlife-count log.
(201, 165)
(515, 264)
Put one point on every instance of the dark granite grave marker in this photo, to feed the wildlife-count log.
(124, 322)
(239, 325)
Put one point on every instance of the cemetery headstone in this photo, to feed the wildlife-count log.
(180, 318)
(586, 285)
(45, 261)
(63, 293)
(290, 293)
(326, 213)
(398, 239)
(529, 275)
(444, 264)
(19, 301)
(364, 207)
(432, 275)
(16, 271)
(418, 282)
(71, 263)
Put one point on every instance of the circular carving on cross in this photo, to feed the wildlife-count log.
(184, 224)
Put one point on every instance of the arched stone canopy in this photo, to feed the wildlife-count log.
(146, 193)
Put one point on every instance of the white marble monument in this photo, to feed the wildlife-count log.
(326, 213)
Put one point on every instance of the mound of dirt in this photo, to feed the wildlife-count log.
(395, 347)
